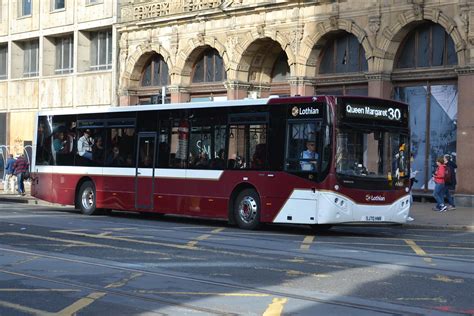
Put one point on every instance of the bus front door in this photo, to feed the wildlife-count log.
(145, 171)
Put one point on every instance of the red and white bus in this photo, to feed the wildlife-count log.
(319, 160)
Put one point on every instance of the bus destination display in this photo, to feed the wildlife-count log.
(393, 114)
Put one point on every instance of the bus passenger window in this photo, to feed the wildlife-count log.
(247, 147)
(179, 144)
(64, 140)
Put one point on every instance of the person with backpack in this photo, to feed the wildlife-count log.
(21, 167)
(449, 180)
(439, 190)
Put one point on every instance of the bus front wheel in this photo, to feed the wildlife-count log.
(86, 198)
(247, 209)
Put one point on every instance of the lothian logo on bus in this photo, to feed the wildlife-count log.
(295, 111)
(376, 198)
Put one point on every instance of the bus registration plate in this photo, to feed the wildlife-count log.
(373, 218)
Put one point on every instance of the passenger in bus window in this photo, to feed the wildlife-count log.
(85, 144)
(98, 150)
(310, 157)
(59, 143)
(203, 161)
(115, 159)
(218, 162)
(259, 156)
(127, 141)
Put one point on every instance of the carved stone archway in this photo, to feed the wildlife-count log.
(135, 62)
(312, 45)
(244, 52)
(190, 53)
(393, 35)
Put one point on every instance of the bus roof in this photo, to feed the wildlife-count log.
(201, 105)
(150, 107)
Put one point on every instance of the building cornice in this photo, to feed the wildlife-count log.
(465, 71)
(424, 74)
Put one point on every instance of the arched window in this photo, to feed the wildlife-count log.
(209, 68)
(156, 72)
(343, 54)
(427, 46)
(281, 70)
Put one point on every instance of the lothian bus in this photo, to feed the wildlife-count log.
(319, 161)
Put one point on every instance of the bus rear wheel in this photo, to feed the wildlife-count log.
(247, 209)
(86, 198)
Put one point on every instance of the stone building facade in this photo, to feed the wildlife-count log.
(418, 51)
(53, 54)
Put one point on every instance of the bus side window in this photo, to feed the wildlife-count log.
(44, 141)
(64, 140)
(179, 144)
(247, 147)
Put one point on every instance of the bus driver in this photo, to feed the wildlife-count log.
(310, 157)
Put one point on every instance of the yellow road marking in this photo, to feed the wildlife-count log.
(26, 260)
(124, 281)
(446, 279)
(276, 307)
(193, 243)
(418, 250)
(81, 304)
(295, 260)
(121, 228)
(39, 290)
(308, 240)
(145, 242)
(203, 293)
(105, 234)
(434, 299)
(24, 309)
(80, 243)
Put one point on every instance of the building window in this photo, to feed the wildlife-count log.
(94, 1)
(343, 54)
(58, 4)
(427, 46)
(3, 61)
(30, 59)
(156, 72)
(25, 7)
(101, 50)
(64, 55)
(209, 68)
(433, 126)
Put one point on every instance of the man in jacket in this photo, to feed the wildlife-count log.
(451, 184)
(9, 184)
(21, 166)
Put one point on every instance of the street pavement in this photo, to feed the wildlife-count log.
(462, 218)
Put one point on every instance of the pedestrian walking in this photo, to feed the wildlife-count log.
(9, 184)
(449, 181)
(439, 190)
(21, 168)
(413, 174)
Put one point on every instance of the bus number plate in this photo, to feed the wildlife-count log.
(373, 218)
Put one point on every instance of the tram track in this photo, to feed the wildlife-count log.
(221, 248)
(397, 309)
